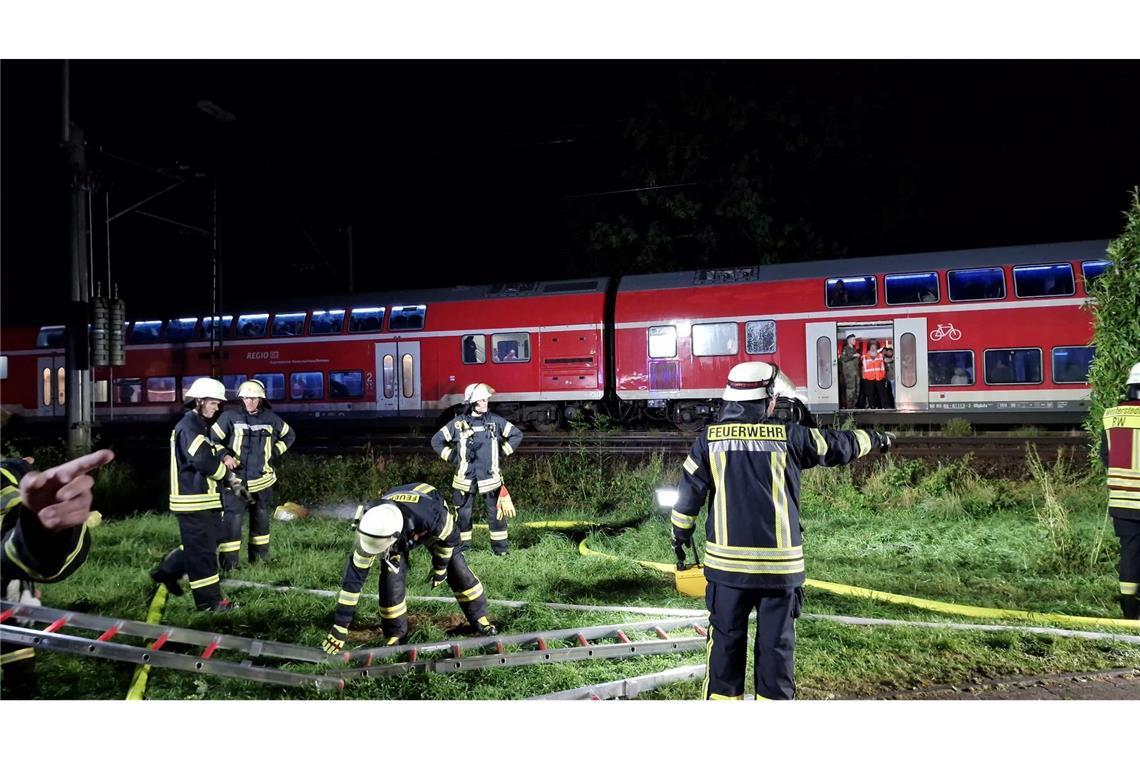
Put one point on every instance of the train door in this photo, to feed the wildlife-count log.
(398, 372)
(51, 386)
(911, 381)
(822, 365)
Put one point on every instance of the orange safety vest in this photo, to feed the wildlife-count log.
(874, 368)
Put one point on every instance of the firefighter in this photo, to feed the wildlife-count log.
(850, 362)
(1120, 452)
(473, 441)
(45, 540)
(197, 467)
(748, 464)
(256, 438)
(405, 517)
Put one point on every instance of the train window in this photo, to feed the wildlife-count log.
(47, 387)
(50, 337)
(474, 349)
(181, 330)
(510, 347)
(908, 363)
(389, 376)
(274, 383)
(717, 339)
(187, 381)
(285, 325)
(128, 390)
(735, 274)
(662, 342)
(1091, 270)
(1013, 366)
(950, 367)
(326, 322)
(101, 391)
(61, 386)
(366, 319)
(976, 284)
(3, 367)
(760, 337)
(581, 286)
(146, 332)
(850, 291)
(346, 384)
(507, 289)
(1071, 363)
(160, 389)
(307, 385)
(824, 356)
(232, 383)
(218, 327)
(911, 288)
(1043, 280)
(408, 381)
(251, 326)
(407, 317)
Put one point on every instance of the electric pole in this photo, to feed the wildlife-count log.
(76, 389)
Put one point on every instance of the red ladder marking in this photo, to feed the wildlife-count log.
(499, 647)
(160, 642)
(413, 655)
(700, 631)
(8, 613)
(55, 626)
(541, 643)
(660, 632)
(209, 651)
(582, 640)
(622, 637)
(456, 651)
(110, 633)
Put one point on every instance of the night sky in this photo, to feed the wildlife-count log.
(467, 172)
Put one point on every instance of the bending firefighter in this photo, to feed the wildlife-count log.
(473, 441)
(1120, 452)
(748, 465)
(405, 517)
(256, 438)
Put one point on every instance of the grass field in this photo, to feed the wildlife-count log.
(1042, 544)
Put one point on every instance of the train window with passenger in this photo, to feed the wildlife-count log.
(510, 347)
(251, 326)
(1092, 270)
(218, 327)
(307, 385)
(128, 390)
(51, 337)
(716, 339)
(1042, 280)
(474, 349)
(286, 325)
(1012, 366)
(182, 330)
(760, 337)
(145, 331)
(161, 389)
(911, 288)
(950, 367)
(1071, 363)
(662, 342)
(274, 383)
(329, 322)
(232, 383)
(851, 291)
(976, 284)
(187, 381)
(346, 384)
(407, 317)
(366, 319)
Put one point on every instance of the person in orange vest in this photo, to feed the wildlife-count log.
(873, 389)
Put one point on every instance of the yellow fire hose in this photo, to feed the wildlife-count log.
(154, 617)
(691, 582)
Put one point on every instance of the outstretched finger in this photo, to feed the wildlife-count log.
(68, 471)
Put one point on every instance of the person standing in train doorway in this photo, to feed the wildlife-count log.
(473, 442)
(873, 392)
(850, 361)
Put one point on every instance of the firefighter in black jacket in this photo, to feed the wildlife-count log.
(405, 517)
(45, 540)
(1120, 452)
(748, 465)
(197, 467)
(256, 437)
(474, 441)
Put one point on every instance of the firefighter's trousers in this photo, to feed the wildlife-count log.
(197, 557)
(393, 592)
(232, 512)
(1128, 531)
(498, 528)
(774, 648)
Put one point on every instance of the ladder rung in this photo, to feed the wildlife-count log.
(56, 625)
(700, 630)
(660, 633)
(582, 640)
(456, 650)
(110, 633)
(209, 651)
(622, 637)
(8, 613)
(541, 643)
(499, 647)
(160, 642)
(413, 655)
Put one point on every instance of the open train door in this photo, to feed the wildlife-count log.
(822, 365)
(912, 391)
(398, 370)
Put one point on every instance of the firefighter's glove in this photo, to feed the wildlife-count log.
(233, 482)
(680, 543)
(886, 441)
(334, 641)
(506, 507)
(436, 577)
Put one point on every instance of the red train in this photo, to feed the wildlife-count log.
(999, 331)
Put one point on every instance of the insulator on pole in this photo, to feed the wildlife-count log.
(100, 332)
(117, 332)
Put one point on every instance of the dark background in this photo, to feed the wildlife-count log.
(467, 172)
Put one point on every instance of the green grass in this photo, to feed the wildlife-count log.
(935, 532)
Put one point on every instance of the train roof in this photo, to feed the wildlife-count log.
(856, 267)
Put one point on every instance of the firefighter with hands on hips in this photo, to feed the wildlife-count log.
(256, 437)
(45, 540)
(1120, 452)
(474, 441)
(197, 467)
(410, 515)
(748, 464)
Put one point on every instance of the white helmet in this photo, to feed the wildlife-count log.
(1134, 375)
(750, 381)
(379, 527)
(206, 387)
(251, 389)
(477, 392)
